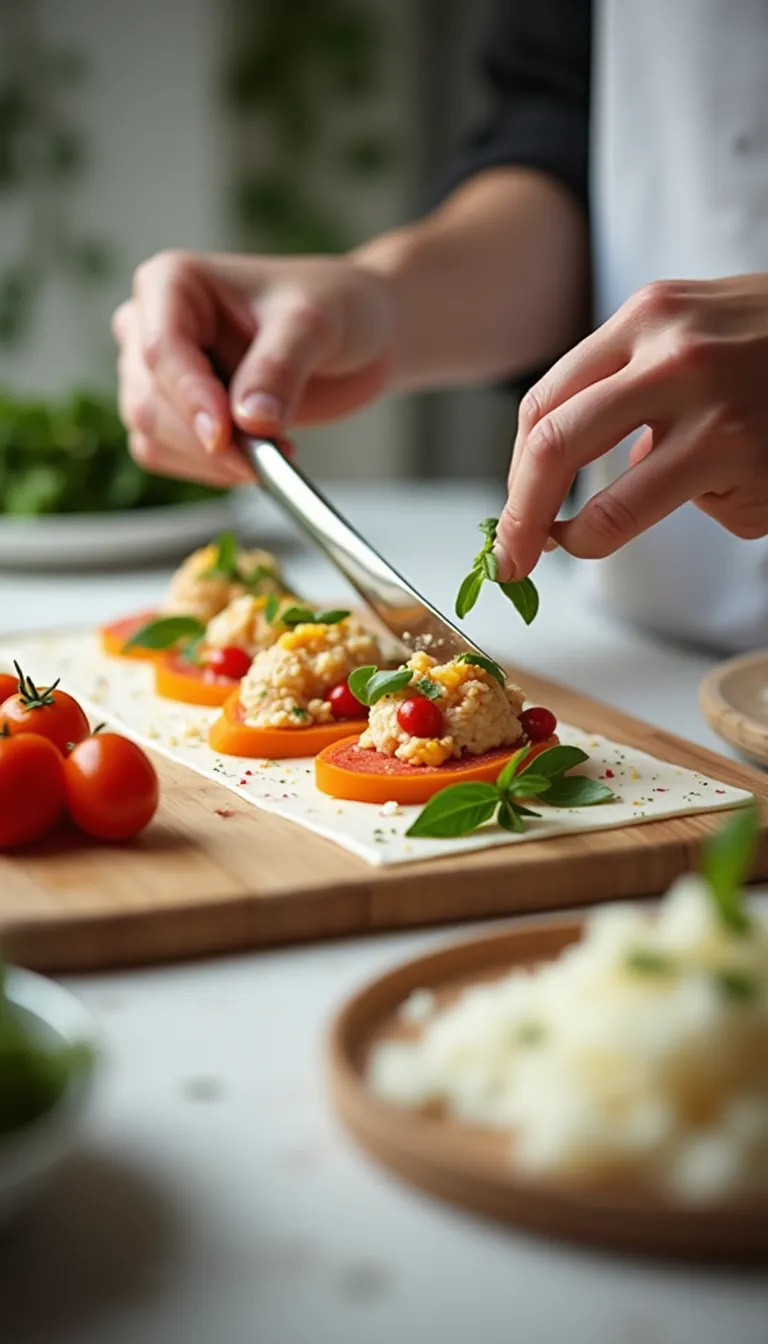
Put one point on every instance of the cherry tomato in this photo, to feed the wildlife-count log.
(8, 686)
(345, 705)
(111, 785)
(229, 662)
(538, 724)
(420, 717)
(49, 713)
(31, 788)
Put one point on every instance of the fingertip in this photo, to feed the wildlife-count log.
(507, 570)
(259, 413)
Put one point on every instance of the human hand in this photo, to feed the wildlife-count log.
(689, 361)
(300, 340)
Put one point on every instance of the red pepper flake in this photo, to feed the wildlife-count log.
(658, 789)
(609, 774)
(247, 772)
(719, 790)
(242, 781)
(224, 812)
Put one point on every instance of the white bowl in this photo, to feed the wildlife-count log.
(29, 1155)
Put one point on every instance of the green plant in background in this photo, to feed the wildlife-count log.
(72, 457)
(301, 67)
(42, 153)
(34, 1074)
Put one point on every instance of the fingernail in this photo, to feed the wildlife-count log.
(506, 567)
(260, 406)
(206, 430)
(550, 544)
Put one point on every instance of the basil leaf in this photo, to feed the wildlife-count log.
(330, 617)
(726, 861)
(429, 689)
(509, 772)
(527, 786)
(491, 566)
(555, 761)
(368, 684)
(524, 811)
(479, 660)
(192, 650)
(523, 595)
(469, 592)
(258, 574)
(578, 791)
(271, 608)
(646, 961)
(488, 526)
(737, 985)
(456, 810)
(510, 818)
(225, 564)
(297, 616)
(165, 632)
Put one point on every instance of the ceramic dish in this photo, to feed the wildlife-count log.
(93, 540)
(733, 698)
(29, 1155)
(472, 1167)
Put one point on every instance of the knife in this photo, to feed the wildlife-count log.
(412, 621)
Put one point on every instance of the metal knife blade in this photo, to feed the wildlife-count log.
(411, 620)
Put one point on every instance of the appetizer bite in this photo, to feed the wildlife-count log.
(430, 724)
(295, 699)
(207, 582)
(638, 1056)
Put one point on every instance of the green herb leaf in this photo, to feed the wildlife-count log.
(488, 526)
(524, 596)
(271, 608)
(509, 772)
(333, 617)
(510, 818)
(469, 592)
(297, 616)
(646, 961)
(555, 761)
(726, 861)
(369, 684)
(456, 810)
(527, 786)
(578, 791)
(258, 575)
(479, 660)
(192, 650)
(225, 564)
(298, 712)
(429, 689)
(524, 811)
(491, 566)
(737, 985)
(165, 632)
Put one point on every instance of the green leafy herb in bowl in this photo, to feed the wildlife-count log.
(71, 456)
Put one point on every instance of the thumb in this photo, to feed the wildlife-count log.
(268, 385)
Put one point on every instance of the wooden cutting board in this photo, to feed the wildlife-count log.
(202, 882)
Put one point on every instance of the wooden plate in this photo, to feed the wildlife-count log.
(734, 700)
(473, 1167)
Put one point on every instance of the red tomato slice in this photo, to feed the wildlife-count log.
(344, 770)
(114, 637)
(230, 735)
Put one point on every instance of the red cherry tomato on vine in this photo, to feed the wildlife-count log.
(420, 717)
(229, 662)
(47, 712)
(111, 786)
(8, 686)
(345, 705)
(538, 724)
(31, 788)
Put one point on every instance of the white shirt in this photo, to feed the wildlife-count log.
(680, 190)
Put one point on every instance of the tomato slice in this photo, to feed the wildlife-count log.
(178, 679)
(343, 770)
(114, 637)
(230, 735)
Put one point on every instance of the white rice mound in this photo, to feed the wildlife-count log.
(602, 1066)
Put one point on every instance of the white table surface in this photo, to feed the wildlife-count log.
(214, 1198)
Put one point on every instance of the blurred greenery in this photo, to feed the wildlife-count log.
(297, 66)
(71, 457)
(33, 1075)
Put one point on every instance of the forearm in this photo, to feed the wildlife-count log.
(492, 284)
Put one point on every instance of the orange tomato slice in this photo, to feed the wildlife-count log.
(178, 679)
(345, 771)
(231, 736)
(114, 637)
